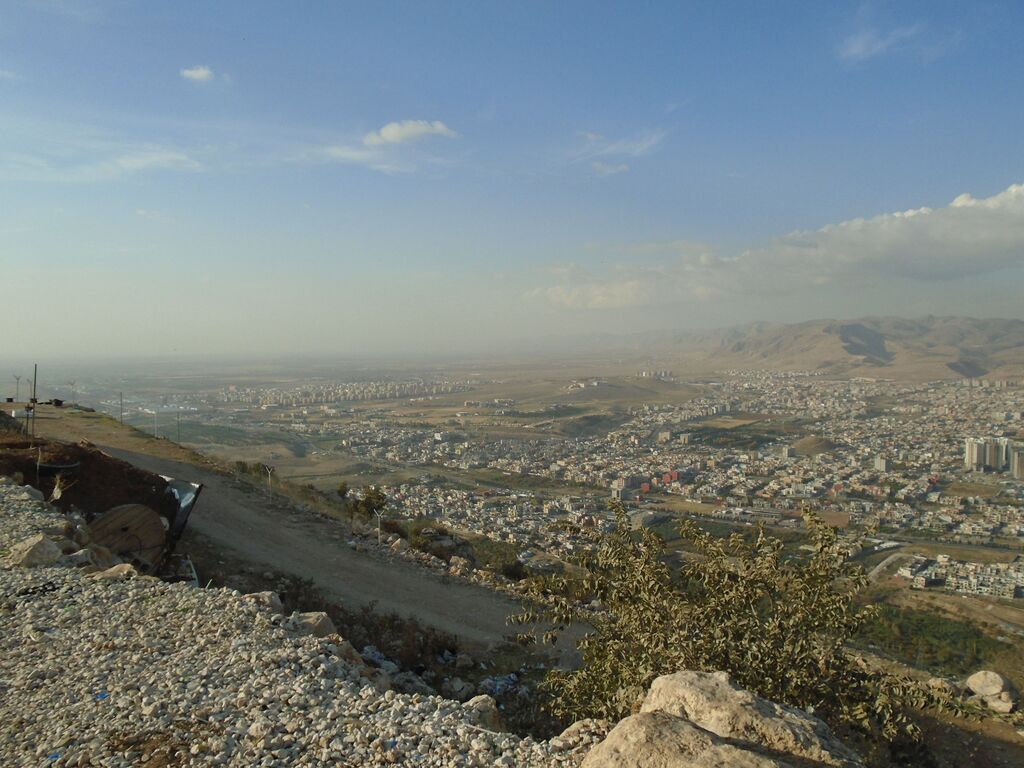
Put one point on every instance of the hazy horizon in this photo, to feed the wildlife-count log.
(346, 181)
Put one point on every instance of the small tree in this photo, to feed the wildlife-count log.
(778, 626)
(372, 504)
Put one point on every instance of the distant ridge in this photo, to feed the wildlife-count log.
(892, 347)
(928, 347)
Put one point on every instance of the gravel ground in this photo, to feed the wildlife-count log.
(139, 672)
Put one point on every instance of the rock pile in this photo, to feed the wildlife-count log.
(129, 670)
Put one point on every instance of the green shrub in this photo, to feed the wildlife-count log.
(778, 626)
(929, 640)
(396, 527)
(514, 570)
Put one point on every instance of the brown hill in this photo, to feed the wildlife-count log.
(930, 347)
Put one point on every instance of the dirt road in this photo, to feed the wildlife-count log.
(313, 548)
(232, 517)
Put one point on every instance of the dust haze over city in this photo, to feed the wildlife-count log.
(447, 383)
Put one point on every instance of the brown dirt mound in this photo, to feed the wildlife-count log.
(100, 482)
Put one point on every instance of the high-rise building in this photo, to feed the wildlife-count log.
(1017, 462)
(997, 453)
(994, 453)
(975, 453)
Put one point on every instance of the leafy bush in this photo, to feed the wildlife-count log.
(396, 527)
(778, 626)
(514, 570)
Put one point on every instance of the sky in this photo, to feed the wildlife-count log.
(342, 178)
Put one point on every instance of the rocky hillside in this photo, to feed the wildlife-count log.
(101, 666)
(105, 667)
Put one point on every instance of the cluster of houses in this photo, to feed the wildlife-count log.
(338, 392)
(1005, 580)
(754, 447)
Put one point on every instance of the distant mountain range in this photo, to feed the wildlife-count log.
(923, 348)
(929, 347)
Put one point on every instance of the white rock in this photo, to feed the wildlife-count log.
(987, 683)
(315, 623)
(484, 712)
(661, 740)
(35, 551)
(116, 573)
(713, 702)
(267, 600)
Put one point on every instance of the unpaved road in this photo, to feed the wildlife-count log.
(307, 546)
(230, 516)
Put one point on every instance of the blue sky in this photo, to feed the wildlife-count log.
(392, 177)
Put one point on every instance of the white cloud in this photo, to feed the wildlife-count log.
(156, 157)
(917, 248)
(151, 214)
(93, 162)
(597, 146)
(606, 157)
(349, 154)
(869, 43)
(407, 130)
(371, 158)
(198, 74)
(385, 149)
(608, 169)
(968, 237)
(594, 295)
(9, 75)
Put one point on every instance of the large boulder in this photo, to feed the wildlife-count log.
(994, 690)
(713, 702)
(483, 711)
(987, 683)
(35, 551)
(703, 720)
(661, 740)
(315, 623)
(1003, 703)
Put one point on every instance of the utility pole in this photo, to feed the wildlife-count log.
(17, 388)
(35, 383)
(270, 485)
(121, 394)
(154, 424)
(72, 385)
